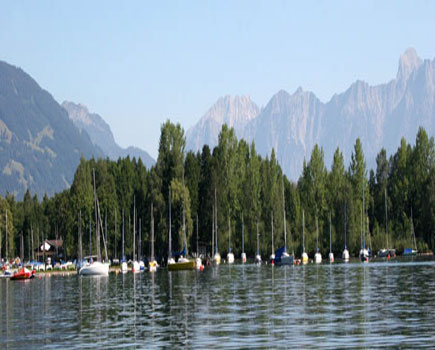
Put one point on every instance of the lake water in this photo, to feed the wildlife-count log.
(375, 305)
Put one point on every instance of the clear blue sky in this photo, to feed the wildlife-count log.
(137, 63)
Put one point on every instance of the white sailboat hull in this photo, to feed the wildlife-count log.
(135, 267)
(124, 267)
(285, 259)
(258, 259)
(331, 257)
(95, 269)
(243, 258)
(230, 258)
(217, 259)
(304, 258)
(345, 255)
(318, 258)
(364, 255)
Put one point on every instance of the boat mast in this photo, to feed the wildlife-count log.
(22, 247)
(216, 224)
(363, 216)
(413, 232)
(33, 247)
(386, 216)
(7, 238)
(258, 240)
(272, 231)
(79, 257)
(152, 231)
(283, 209)
(303, 231)
(345, 219)
(317, 232)
(197, 236)
(139, 255)
(123, 227)
(229, 232)
(212, 232)
(361, 228)
(330, 234)
(0, 243)
(184, 219)
(243, 235)
(170, 238)
(134, 228)
(90, 236)
(97, 228)
(105, 234)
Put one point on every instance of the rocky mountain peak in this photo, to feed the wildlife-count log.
(408, 62)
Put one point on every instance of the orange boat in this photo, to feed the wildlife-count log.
(23, 274)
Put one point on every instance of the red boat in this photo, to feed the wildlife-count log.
(23, 274)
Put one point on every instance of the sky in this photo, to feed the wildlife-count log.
(139, 63)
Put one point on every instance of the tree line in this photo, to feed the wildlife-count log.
(247, 189)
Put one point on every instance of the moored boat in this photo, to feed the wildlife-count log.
(258, 256)
(304, 254)
(411, 251)
(243, 256)
(152, 265)
(23, 274)
(318, 255)
(216, 256)
(386, 252)
(95, 268)
(364, 253)
(345, 255)
(331, 254)
(281, 257)
(230, 255)
(182, 264)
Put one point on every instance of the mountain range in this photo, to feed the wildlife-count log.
(101, 135)
(293, 123)
(40, 147)
(41, 142)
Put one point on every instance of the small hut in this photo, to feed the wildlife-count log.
(50, 248)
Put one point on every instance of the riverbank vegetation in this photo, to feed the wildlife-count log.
(248, 188)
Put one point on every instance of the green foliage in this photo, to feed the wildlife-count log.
(246, 185)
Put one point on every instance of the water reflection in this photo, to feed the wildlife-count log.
(386, 304)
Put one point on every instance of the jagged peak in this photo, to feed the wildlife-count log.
(298, 91)
(408, 62)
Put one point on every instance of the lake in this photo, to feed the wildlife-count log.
(376, 305)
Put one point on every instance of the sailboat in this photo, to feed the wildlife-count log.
(385, 252)
(243, 256)
(217, 256)
(183, 263)
(96, 268)
(135, 267)
(124, 267)
(364, 253)
(331, 254)
(411, 251)
(230, 255)
(198, 260)
(79, 246)
(304, 254)
(345, 254)
(152, 265)
(318, 255)
(281, 255)
(258, 256)
(272, 256)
